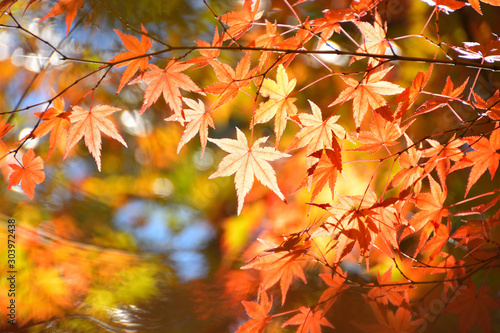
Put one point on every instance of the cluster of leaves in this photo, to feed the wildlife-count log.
(453, 243)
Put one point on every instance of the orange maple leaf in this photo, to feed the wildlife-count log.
(492, 105)
(383, 134)
(335, 284)
(411, 173)
(472, 306)
(484, 157)
(353, 220)
(441, 155)
(240, 21)
(230, 81)
(448, 94)
(320, 174)
(198, 121)
(207, 55)
(90, 124)
(367, 93)
(268, 41)
(136, 49)
(29, 174)
(168, 82)
(280, 104)
(403, 320)
(4, 129)
(258, 312)
(410, 94)
(384, 294)
(330, 23)
(281, 265)
(56, 121)
(431, 205)
(308, 320)
(70, 7)
(248, 162)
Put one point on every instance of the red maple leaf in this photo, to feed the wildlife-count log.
(90, 124)
(56, 121)
(335, 284)
(492, 105)
(168, 82)
(258, 312)
(472, 306)
(383, 134)
(70, 7)
(309, 321)
(281, 266)
(449, 94)
(136, 49)
(388, 294)
(431, 205)
(484, 157)
(29, 174)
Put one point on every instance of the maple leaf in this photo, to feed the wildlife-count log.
(352, 220)
(136, 49)
(230, 81)
(390, 322)
(268, 41)
(280, 104)
(320, 174)
(308, 320)
(4, 128)
(316, 133)
(448, 94)
(383, 134)
(248, 162)
(336, 286)
(70, 7)
(207, 55)
(367, 93)
(472, 306)
(29, 174)
(410, 94)
(198, 121)
(431, 205)
(279, 266)
(441, 155)
(388, 294)
(375, 39)
(438, 240)
(56, 121)
(240, 21)
(492, 105)
(446, 6)
(488, 52)
(258, 312)
(330, 23)
(168, 82)
(484, 157)
(411, 173)
(477, 7)
(90, 124)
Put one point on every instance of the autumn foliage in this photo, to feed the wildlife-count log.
(377, 148)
